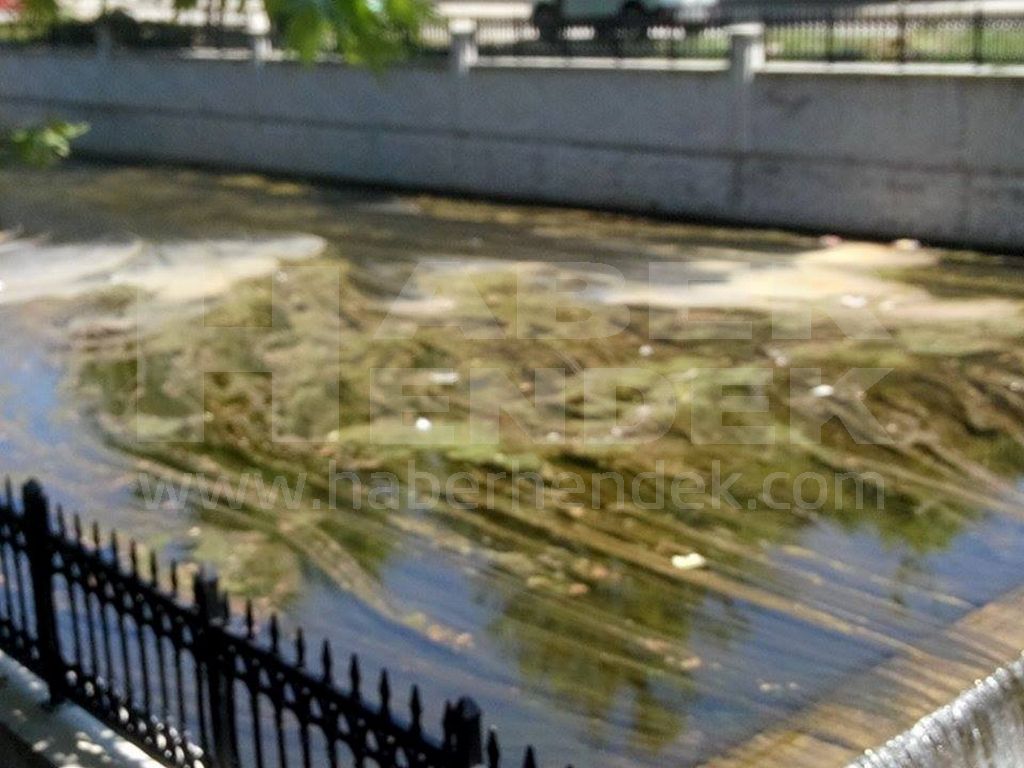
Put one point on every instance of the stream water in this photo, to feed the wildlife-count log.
(577, 631)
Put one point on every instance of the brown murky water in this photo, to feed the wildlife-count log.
(605, 619)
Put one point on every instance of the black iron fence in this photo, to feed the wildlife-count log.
(186, 681)
(888, 33)
(894, 32)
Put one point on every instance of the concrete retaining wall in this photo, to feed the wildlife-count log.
(879, 150)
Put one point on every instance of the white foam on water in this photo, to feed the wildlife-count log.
(982, 728)
(171, 272)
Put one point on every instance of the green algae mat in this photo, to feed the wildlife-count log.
(653, 494)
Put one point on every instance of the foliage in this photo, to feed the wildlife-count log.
(40, 145)
(38, 10)
(370, 32)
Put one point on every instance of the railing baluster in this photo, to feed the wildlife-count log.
(178, 646)
(282, 745)
(301, 709)
(75, 621)
(158, 628)
(89, 598)
(141, 627)
(117, 604)
(24, 623)
(161, 665)
(253, 684)
(8, 601)
(108, 654)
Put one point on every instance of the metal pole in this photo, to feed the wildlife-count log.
(213, 615)
(39, 550)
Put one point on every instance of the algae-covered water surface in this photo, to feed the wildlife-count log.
(643, 490)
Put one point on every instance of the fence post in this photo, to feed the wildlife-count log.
(468, 733)
(213, 615)
(979, 37)
(830, 42)
(746, 51)
(39, 550)
(901, 34)
(464, 52)
(259, 39)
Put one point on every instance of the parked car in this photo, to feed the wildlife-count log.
(621, 15)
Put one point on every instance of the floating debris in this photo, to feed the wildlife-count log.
(423, 424)
(446, 378)
(646, 350)
(853, 301)
(823, 390)
(690, 562)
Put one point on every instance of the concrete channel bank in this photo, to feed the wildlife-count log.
(882, 150)
(33, 735)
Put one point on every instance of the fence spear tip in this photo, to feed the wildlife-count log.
(250, 619)
(385, 691)
(416, 706)
(493, 750)
(327, 661)
(354, 674)
(275, 633)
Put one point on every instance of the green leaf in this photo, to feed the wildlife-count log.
(42, 145)
(372, 32)
(39, 10)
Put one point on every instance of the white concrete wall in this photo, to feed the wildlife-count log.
(933, 153)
